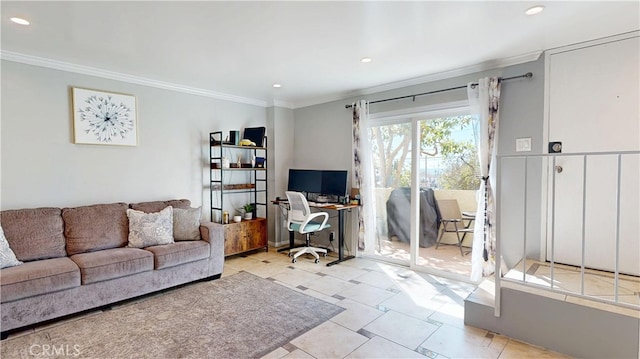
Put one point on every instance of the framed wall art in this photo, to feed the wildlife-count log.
(104, 118)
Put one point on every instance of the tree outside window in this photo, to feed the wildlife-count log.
(446, 143)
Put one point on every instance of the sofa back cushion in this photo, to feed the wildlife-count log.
(96, 227)
(157, 206)
(34, 233)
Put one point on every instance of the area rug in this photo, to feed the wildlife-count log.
(240, 316)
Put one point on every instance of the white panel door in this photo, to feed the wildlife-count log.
(593, 97)
(593, 107)
(565, 239)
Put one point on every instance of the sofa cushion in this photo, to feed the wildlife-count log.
(157, 206)
(170, 255)
(150, 229)
(38, 277)
(112, 263)
(186, 224)
(7, 257)
(96, 227)
(34, 233)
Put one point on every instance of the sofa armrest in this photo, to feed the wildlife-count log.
(211, 233)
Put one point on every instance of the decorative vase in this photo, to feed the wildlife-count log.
(248, 215)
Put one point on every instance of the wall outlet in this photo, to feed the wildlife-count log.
(332, 236)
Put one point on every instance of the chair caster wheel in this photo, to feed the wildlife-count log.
(290, 254)
(294, 260)
(324, 255)
(317, 260)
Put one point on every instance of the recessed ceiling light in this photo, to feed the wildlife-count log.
(366, 59)
(20, 21)
(277, 86)
(534, 10)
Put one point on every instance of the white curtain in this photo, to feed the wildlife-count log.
(363, 173)
(484, 100)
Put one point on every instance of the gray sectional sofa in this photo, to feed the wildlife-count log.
(75, 259)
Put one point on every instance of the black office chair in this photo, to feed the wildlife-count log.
(300, 219)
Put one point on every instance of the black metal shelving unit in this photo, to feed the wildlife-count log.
(254, 183)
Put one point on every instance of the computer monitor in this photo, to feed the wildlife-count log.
(309, 181)
(255, 135)
(334, 183)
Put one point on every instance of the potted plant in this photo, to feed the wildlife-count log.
(248, 211)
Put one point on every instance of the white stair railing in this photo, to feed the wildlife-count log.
(530, 198)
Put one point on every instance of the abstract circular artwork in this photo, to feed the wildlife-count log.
(104, 117)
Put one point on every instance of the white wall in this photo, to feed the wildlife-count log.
(323, 137)
(41, 166)
(280, 127)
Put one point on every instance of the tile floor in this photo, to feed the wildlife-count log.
(568, 285)
(446, 258)
(391, 311)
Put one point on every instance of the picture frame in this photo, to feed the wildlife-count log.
(104, 118)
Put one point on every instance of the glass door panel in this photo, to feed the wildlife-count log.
(448, 170)
(390, 149)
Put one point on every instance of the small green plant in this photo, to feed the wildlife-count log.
(248, 208)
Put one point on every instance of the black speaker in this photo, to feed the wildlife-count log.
(234, 137)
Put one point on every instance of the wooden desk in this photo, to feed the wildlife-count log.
(341, 209)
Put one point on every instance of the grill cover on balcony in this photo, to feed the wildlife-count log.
(399, 216)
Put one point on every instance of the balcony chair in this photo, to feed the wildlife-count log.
(452, 221)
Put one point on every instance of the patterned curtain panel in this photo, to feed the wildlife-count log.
(484, 101)
(360, 114)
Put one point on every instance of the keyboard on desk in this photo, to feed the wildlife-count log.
(321, 204)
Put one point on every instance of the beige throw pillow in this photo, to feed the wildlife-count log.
(7, 257)
(186, 224)
(150, 229)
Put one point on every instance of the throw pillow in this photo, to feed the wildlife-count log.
(150, 229)
(186, 224)
(7, 257)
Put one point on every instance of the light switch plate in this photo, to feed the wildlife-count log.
(523, 144)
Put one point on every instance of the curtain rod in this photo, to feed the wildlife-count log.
(527, 75)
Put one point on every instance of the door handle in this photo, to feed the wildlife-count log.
(559, 169)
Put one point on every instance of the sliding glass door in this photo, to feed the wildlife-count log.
(448, 174)
(420, 157)
(390, 155)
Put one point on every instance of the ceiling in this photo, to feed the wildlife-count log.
(238, 50)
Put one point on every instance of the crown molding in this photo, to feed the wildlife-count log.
(279, 103)
(484, 66)
(323, 99)
(91, 71)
